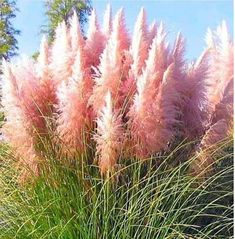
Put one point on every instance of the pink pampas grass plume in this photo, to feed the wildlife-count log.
(156, 102)
(220, 93)
(109, 136)
(221, 66)
(195, 109)
(152, 31)
(154, 114)
(110, 69)
(224, 109)
(120, 31)
(73, 124)
(47, 85)
(220, 83)
(138, 54)
(29, 98)
(148, 83)
(95, 41)
(107, 22)
(73, 118)
(77, 39)
(221, 127)
(17, 128)
(219, 96)
(139, 45)
(217, 132)
(73, 114)
(177, 53)
(30, 93)
(36, 95)
(61, 66)
(43, 59)
(203, 165)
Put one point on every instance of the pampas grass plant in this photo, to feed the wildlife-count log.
(113, 136)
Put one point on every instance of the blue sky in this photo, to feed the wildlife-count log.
(191, 17)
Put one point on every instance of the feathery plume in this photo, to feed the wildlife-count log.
(73, 113)
(77, 39)
(107, 22)
(119, 30)
(73, 121)
(221, 66)
(152, 31)
(108, 137)
(61, 66)
(138, 53)
(154, 112)
(46, 81)
(224, 109)
(216, 133)
(177, 54)
(219, 96)
(17, 129)
(203, 165)
(195, 108)
(43, 58)
(139, 45)
(110, 67)
(95, 41)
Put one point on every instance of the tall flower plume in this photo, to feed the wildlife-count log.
(61, 66)
(77, 39)
(95, 41)
(220, 80)
(221, 67)
(109, 136)
(110, 68)
(195, 108)
(107, 25)
(219, 97)
(152, 31)
(154, 111)
(138, 52)
(18, 128)
(74, 116)
(139, 45)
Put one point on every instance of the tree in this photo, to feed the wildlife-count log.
(8, 42)
(59, 10)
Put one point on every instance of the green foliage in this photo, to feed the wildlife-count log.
(2, 118)
(147, 199)
(35, 55)
(8, 42)
(59, 10)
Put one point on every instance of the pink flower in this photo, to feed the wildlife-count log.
(109, 136)
(18, 129)
(74, 117)
(138, 51)
(95, 41)
(107, 22)
(109, 75)
(195, 108)
(152, 31)
(221, 63)
(61, 66)
(75, 34)
(154, 111)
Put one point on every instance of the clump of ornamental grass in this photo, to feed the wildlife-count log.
(113, 136)
(116, 95)
(141, 199)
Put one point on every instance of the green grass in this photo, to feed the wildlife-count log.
(143, 200)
